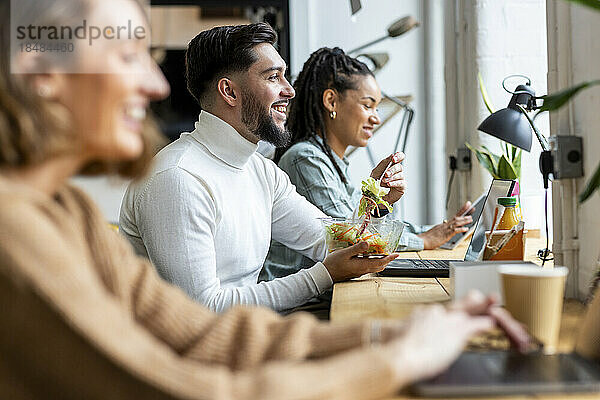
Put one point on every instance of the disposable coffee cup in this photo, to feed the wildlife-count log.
(534, 296)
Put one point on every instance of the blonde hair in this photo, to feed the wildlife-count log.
(32, 129)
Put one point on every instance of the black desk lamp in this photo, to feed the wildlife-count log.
(513, 125)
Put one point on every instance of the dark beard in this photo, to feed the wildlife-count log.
(260, 123)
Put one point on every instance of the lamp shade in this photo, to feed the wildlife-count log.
(509, 125)
(403, 25)
(375, 61)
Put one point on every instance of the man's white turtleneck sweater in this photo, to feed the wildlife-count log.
(205, 216)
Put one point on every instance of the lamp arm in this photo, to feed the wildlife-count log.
(396, 100)
(407, 119)
(367, 44)
(410, 113)
(540, 137)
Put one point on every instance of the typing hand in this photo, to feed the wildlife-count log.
(441, 233)
(475, 303)
(433, 337)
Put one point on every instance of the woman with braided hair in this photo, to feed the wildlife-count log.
(336, 107)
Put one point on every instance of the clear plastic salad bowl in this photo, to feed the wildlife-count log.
(381, 235)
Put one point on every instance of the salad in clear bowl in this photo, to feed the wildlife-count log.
(382, 236)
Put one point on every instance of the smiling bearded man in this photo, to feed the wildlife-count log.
(206, 213)
(260, 121)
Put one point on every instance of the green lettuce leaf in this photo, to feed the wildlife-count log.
(372, 189)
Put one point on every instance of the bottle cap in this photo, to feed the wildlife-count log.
(507, 201)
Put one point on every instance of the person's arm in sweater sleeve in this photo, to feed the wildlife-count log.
(118, 331)
(145, 338)
(177, 218)
(204, 335)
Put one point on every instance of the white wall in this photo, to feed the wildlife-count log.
(317, 23)
(586, 58)
(496, 38)
(574, 55)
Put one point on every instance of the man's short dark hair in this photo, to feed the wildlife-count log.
(222, 50)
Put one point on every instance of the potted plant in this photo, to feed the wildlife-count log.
(506, 165)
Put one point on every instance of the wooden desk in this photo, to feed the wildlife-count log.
(373, 297)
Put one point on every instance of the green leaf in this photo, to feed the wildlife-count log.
(557, 100)
(487, 162)
(516, 162)
(588, 3)
(591, 186)
(484, 94)
(493, 155)
(505, 169)
(484, 159)
(514, 152)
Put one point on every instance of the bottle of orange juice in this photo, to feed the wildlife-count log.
(514, 249)
(509, 217)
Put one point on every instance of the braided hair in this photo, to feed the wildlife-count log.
(325, 69)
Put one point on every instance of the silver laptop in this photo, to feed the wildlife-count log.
(497, 373)
(441, 268)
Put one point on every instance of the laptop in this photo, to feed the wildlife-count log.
(441, 268)
(495, 373)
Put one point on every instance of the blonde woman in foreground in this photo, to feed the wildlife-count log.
(84, 318)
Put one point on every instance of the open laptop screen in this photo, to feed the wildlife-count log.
(498, 188)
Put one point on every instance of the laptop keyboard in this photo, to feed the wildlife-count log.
(430, 264)
(418, 268)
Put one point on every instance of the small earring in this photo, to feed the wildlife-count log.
(44, 91)
(332, 115)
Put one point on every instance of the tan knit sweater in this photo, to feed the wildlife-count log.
(83, 318)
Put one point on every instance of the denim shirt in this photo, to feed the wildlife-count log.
(315, 178)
